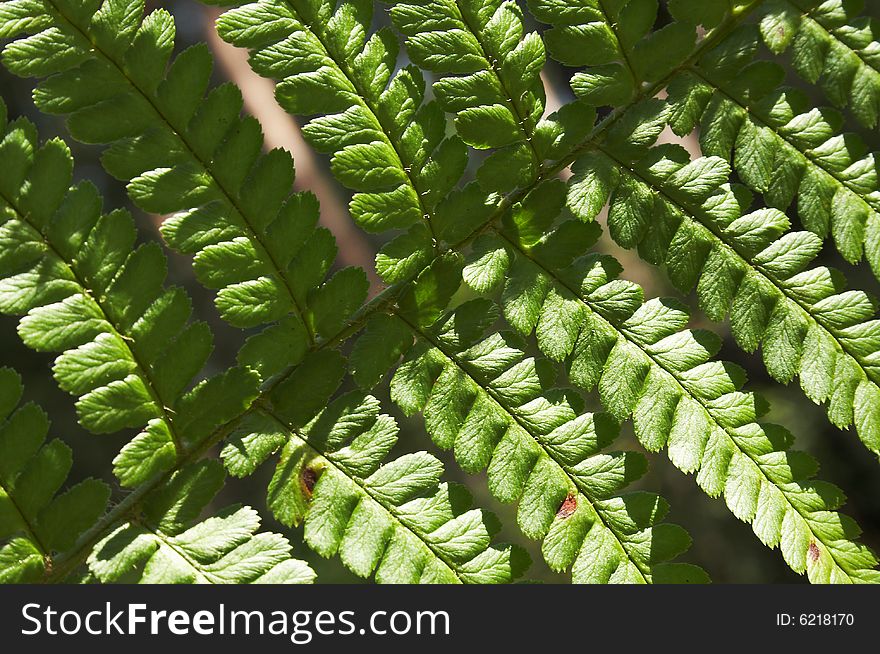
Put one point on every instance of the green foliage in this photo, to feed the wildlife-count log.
(184, 150)
(386, 143)
(84, 290)
(646, 367)
(831, 46)
(745, 265)
(485, 400)
(782, 147)
(504, 324)
(396, 519)
(162, 546)
(616, 44)
(35, 521)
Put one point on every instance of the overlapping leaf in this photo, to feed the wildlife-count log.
(500, 411)
(490, 69)
(185, 150)
(616, 44)
(682, 214)
(782, 146)
(161, 545)
(36, 523)
(83, 289)
(395, 520)
(832, 46)
(647, 367)
(492, 83)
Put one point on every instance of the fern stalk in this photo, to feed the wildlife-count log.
(68, 562)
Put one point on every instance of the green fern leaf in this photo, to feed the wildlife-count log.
(832, 46)
(36, 523)
(387, 144)
(486, 400)
(781, 146)
(646, 367)
(395, 520)
(183, 150)
(492, 83)
(619, 49)
(127, 350)
(502, 378)
(744, 265)
(162, 546)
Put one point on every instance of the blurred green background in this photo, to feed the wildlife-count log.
(725, 547)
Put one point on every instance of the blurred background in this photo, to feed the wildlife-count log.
(725, 547)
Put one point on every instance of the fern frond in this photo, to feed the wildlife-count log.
(128, 352)
(832, 45)
(646, 367)
(616, 45)
(486, 400)
(387, 144)
(781, 146)
(513, 234)
(395, 520)
(744, 264)
(161, 545)
(491, 82)
(36, 523)
(185, 152)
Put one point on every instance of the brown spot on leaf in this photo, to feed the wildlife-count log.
(307, 479)
(569, 506)
(813, 552)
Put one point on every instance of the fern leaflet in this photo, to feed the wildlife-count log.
(127, 350)
(37, 522)
(646, 368)
(832, 45)
(160, 545)
(394, 519)
(742, 263)
(186, 153)
(780, 147)
(486, 400)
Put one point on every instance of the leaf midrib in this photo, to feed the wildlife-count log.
(30, 528)
(167, 541)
